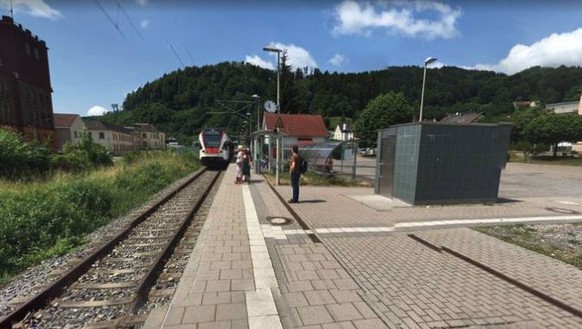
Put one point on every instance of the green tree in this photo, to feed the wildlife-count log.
(520, 119)
(554, 128)
(291, 99)
(381, 112)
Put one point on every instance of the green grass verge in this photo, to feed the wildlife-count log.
(558, 160)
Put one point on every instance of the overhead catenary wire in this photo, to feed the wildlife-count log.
(131, 22)
(115, 24)
(176, 54)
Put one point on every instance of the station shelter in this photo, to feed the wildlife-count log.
(280, 132)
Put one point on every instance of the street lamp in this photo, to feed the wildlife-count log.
(278, 51)
(278, 153)
(427, 61)
(256, 140)
(257, 98)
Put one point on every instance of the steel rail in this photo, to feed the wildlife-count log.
(150, 278)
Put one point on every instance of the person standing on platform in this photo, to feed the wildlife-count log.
(239, 165)
(295, 173)
(247, 162)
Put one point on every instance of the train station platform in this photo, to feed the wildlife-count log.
(346, 258)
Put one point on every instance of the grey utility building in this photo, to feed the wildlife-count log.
(441, 163)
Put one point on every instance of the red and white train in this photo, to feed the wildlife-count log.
(216, 148)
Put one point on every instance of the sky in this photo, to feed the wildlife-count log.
(101, 50)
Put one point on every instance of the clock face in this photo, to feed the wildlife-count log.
(270, 106)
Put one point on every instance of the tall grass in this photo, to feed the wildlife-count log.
(43, 219)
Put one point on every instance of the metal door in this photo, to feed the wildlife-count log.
(386, 162)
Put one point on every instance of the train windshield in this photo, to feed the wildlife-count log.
(212, 138)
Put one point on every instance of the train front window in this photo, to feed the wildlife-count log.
(212, 140)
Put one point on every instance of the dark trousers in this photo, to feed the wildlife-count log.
(295, 185)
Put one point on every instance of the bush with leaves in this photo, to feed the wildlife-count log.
(20, 159)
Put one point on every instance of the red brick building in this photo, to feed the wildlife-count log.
(25, 84)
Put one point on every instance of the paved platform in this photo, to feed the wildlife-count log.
(359, 262)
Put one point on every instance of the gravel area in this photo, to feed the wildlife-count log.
(561, 241)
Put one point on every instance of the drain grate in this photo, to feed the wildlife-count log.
(562, 210)
(279, 220)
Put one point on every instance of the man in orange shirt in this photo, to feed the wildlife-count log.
(295, 173)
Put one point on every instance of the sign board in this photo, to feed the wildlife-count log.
(279, 123)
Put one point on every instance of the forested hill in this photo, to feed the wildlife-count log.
(182, 102)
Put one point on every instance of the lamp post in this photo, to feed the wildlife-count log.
(278, 153)
(256, 148)
(427, 61)
(257, 98)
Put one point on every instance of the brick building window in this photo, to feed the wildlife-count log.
(101, 135)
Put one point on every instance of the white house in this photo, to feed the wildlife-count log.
(68, 129)
(343, 133)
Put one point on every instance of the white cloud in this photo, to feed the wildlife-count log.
(36, 8)
(401, 17)
(552, 51)
(257, 61)
(338, 60)
(142, 3)
(97, 111)
(297, 57)
(144, 24)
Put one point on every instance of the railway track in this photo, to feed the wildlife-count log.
(112, 285)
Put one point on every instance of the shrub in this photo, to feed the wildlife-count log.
(21, 159)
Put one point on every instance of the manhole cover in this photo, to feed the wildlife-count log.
(280, 220)
(562, 210)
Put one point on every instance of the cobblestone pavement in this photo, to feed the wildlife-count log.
(411, 285)
(415, 286)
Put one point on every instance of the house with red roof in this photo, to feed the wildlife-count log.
(68, 129)
(297, 129)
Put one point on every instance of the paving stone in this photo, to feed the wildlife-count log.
(344, 312)
(296, 299)
(197, 314)
(231, 312)
(314, 315)
(215, 325)
(174, 316)
(217, 285)
(296, 286)
(369, 324)
(323, 284)
(242, 284)
(343, 296)
(338, 325)
(213, 298)
(319, 297)
(231, 274)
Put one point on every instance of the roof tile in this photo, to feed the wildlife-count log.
(306, 125)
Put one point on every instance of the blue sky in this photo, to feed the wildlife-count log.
(99, 50)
